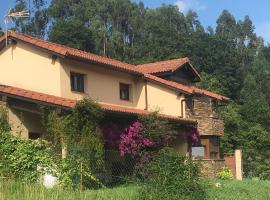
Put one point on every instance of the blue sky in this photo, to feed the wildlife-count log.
(208, 11)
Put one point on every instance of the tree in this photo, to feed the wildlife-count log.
(72, 33)
(36, 24)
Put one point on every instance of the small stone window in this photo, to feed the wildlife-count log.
(77, 82)
(124, 91)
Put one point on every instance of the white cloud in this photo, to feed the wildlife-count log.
(185, 5)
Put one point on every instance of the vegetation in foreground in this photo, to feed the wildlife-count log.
(217, 190)
(13, 190)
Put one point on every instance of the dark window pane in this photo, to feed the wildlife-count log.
(77, 82)
(124, 91)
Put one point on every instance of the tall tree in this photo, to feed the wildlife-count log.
(37, 22)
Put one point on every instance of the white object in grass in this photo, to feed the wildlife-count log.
(49, 181)
(218, 185)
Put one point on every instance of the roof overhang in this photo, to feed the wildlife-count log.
(64, 103)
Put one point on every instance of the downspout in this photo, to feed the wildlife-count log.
(146, 95)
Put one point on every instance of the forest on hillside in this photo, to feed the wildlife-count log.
(232, 59)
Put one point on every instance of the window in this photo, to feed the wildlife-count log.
(124, 91)
(77, 82)
(198, 152)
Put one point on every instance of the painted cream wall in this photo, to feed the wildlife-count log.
(165, 100)
(26, 67)
(102, 84)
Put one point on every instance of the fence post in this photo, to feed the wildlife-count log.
(238, 164)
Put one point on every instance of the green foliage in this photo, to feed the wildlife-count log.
(78, 133)
(4, 125)
(37, 22)
(20, 158)
(157, 129)
(234, 61)
(172, 176)
(225, 174)
(73, 34)
(72, 173)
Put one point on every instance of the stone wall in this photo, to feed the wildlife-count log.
(203, 109)
(210, 126)
(210, 168)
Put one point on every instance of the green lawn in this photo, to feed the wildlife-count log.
(239, 190)
(228, 190)
(11, 190)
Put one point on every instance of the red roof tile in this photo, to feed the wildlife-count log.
(69, 103)
(74, 53)
(209, 94)
(167, 66)
(162, 66)
(172, 84)
(70, 52)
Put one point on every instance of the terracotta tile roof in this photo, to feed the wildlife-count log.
(162, 66)
(187, 89)
(167, 66)
(37, 96)
(209, 94)
(184, 88)
(74, 53)
(69, 103)
(70, 52)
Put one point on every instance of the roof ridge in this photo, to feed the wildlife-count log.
(186, 59)
(69, 49)
(69, 103)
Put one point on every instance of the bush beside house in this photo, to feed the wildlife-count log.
(158, 170)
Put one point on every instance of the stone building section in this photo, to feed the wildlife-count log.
(210, 168)
(204, 110)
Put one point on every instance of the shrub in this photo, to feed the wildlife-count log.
(77, 131)
(172, 176)
(4, 125)
(225, 174)
(20, 158)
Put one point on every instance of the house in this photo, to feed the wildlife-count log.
(34, 72)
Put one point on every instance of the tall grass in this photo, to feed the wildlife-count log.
(228, 190)
(239, 190)
(12, 190)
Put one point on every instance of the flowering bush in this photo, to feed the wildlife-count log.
(132, 141)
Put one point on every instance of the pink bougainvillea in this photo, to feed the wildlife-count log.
(132, 141)
(193, 135)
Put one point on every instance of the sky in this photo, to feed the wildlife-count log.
(207, 10)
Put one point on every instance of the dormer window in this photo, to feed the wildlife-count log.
(124, 91)
(77, 82)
